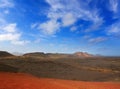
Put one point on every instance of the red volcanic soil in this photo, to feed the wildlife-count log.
(24, 81)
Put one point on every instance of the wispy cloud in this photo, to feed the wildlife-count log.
(67, 13)
(113, 5)
(114, 29)
(34, 25)
(6, 3)
(73, 28)
(97, 21)
(20, 42)
(97, 39)
(6, 11)
(10, 28)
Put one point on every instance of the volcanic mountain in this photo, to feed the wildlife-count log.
(83, 54)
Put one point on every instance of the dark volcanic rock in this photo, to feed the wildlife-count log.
(7, 68)
(34, 54)
(5, 54)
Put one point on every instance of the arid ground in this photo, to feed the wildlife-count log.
(23, 81)
(58, 71)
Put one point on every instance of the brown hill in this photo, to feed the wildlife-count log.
(34, 54)
(5, 54)
(82, 54)
(46, 55)
(58, 55)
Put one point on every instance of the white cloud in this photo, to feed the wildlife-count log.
(64, 13)
(20, 42)
(9, 37)
(70, 11)
(114, 29)
(97, 40)
(9, 32)
(10, 28)
(6, 3)
(73, 28)
(49, 27)
(55, 5)
(37, 41)
(79, 9)
(68, 19)
(6, 12)
(113, 5)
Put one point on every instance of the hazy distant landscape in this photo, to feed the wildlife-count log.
(79, 66)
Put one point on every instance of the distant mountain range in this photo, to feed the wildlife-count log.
(77, 54)
(42, 54)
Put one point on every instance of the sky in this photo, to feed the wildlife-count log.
(60, 26)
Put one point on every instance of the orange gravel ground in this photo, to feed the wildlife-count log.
(24, 81)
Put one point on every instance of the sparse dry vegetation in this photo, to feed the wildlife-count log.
(63, 66)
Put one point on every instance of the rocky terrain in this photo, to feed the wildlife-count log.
(64, 66)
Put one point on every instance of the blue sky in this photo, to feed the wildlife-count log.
(62, 26)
